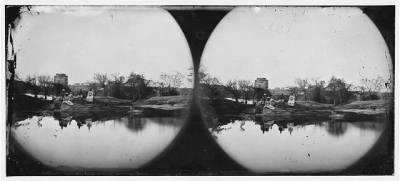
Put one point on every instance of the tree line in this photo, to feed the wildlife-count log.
(338, 91)
(335, 91)
(134, 86)
(214, 89)
(137, 86)
(39, 84)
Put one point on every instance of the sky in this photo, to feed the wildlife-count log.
(282, 44)
(80, 41)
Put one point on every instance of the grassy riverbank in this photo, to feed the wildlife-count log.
(371, 107)
(103, 106)
(303, 111)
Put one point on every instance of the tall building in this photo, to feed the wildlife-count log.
(261, 83)
(61, 79)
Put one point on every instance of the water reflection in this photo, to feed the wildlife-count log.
(336, 128)
(294, 146)
(82, 143)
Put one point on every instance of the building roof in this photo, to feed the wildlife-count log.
(61, 74)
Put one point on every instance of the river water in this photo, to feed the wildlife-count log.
(261, 146)
(284, 147)
(118, 143)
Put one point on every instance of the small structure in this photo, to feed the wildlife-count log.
(261, 83)
(90, 96)
(291, 100)
(61, 79)
(68, 100)
(77, 88)
(280, 92)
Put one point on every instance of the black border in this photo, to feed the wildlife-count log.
(194, 151)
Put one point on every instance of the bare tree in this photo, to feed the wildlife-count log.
(202, 74)
(41, 80)
(174, 80)
(233, 87)
(293, 90)
(317, 91)
(210, 85)
(32, 80)
(116, 77)
(45, 82)
(372, 85)
(115, 85)
(339, 90)
(303, 86)
(139, 85)
(102, 79)
(170, 83)
(245, 88)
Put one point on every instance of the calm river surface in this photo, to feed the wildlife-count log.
(286, 147)
(118, 143)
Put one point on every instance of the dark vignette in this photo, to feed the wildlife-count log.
(194, 151)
